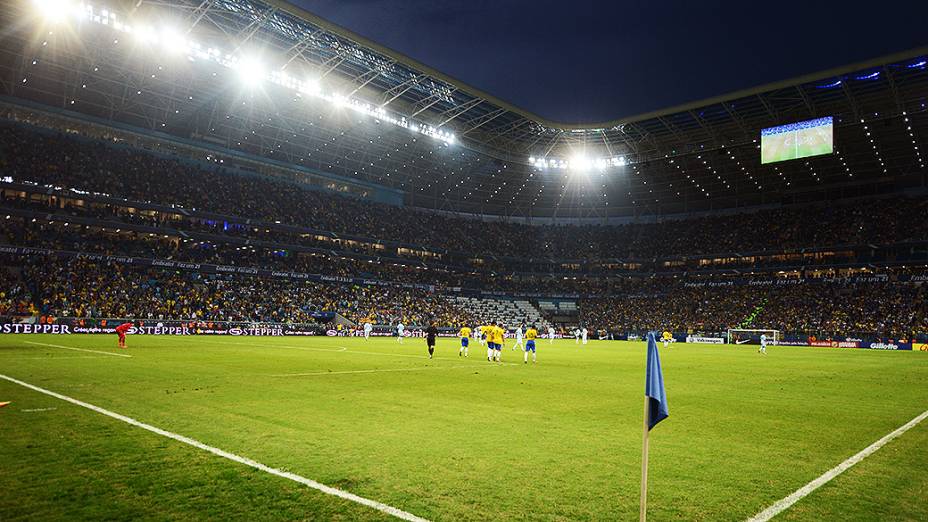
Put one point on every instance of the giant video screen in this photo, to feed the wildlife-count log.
(797, 140)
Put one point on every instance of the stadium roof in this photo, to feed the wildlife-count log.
(477, 154)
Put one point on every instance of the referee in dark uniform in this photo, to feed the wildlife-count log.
(430, 334)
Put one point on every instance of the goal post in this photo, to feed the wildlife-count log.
(743, 335)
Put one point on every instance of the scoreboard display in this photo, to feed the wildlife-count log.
(797, 140)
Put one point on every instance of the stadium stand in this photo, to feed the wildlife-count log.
(94, 167)
(510, 313)
(164, 217)
(201, 234)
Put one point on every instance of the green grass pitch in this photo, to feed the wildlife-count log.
(454, 438)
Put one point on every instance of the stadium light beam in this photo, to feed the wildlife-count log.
(173, 42)
(580, 163)
(55, 11)
(251, 72)
(144, 34)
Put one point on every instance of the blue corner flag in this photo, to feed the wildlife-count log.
(654, 385)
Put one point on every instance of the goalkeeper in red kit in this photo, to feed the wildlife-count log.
(121, 332)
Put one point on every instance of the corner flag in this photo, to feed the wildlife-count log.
(654, 385)
(655, 410)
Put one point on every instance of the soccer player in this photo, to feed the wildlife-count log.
(666, 338)
(763, 344)
(486, 332)
(551, 333)
(368, 327)
(465, 340)
(583, 334)
(577, 336)
(530, 334)
(498, 333)
(121, 332)
(519, 337)
(430, 334)
(400, 330)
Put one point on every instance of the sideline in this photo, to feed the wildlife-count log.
(379, 506)
(784, 503)
(78, 349)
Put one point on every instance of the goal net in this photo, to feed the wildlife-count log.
(752, 336)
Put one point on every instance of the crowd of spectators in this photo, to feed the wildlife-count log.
(15, 298)
(81, 287)
(84, 288)
(70, 162)
(92, 289)
(889, 309)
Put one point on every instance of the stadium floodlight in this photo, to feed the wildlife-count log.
(145, 34)
(311, 87)
(580, 163)
(339, 100)
(56, 11)
(172, 41)
(250, 71)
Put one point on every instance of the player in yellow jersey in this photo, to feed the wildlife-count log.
(667, 338)
(530, 336)
(498, 341)
(465, 340)
(489, 332)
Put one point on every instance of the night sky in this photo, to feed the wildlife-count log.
(584, 61)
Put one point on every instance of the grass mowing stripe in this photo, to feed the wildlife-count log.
(378, 370)
(342, 349)
(78, 349)
(379, 506)
(784, 503)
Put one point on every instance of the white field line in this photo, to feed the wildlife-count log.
(51, 358)
(78, 349)
(390, 510)
(376, 371)
(37, 410)
(784, 503)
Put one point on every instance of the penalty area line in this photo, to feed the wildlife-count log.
(78, 349)
(329, 490)
(784, 503)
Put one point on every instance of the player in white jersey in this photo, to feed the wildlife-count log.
(763, 344)
(519, 336)
(368, 327)
(551, 333)
(583, 334)
(577, 336)
(400, 331)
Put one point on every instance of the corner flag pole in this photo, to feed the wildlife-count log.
(655, 410)
(643, 513)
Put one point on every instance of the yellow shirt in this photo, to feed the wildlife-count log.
(465, 332)
(531, 334)
(667, 335)
(498, 335)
